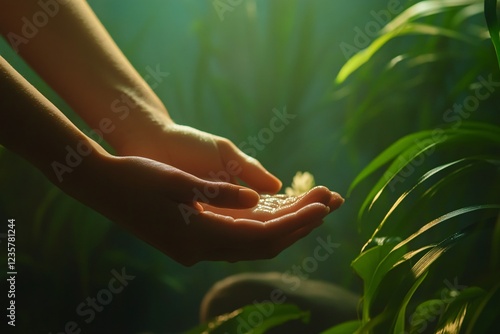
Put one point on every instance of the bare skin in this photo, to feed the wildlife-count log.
(270, 205)
(158, 165)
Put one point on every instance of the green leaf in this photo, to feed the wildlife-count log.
(414, 150)
(490, 14)
(424, 178)
(398, 254)
(389, 154)
(366, 263)
(408, 148)
(399, 327)
(245, 319)
(363, 56)
(481, 309)
(444, 309)
(426, 8)
(425, 313)
(448, 216)
(344, 328)
(453, 320)
(403, 25)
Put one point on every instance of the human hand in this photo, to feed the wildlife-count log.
(203, 155)
(145, 197)
(271, 206)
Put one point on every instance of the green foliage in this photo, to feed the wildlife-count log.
(425, 167)
(225, 78)
(490, 12)
(431, 260)
(344, 328)
(237, 321)
(430, 213)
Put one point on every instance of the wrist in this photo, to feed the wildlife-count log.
(150, 127)
(137, 120)
(77, 164)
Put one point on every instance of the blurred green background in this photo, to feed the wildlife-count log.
(226, 76)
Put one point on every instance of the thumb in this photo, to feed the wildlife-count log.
(225, 195)
(251, 170)
(188, 188)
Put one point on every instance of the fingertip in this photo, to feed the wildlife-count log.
(198, 207)
(248, 197)
(265, 183)
(274, 183)
(336, 201)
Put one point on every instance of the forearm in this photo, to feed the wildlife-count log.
(34, 128)
(77, 57)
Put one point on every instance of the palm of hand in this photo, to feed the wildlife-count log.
(271, 207)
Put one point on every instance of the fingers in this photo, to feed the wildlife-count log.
(252, 172)
(294, 221)
(271, 207)
(335, 201)
(183, 187)
(242, 232)
(251, 240)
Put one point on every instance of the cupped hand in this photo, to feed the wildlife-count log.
(272, 206)
(161, 205)
(202, 154)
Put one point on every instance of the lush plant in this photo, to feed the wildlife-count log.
(431, 263)
(226, 77)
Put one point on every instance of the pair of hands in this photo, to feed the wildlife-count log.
(177, 190)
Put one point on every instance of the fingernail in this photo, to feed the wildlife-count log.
(338, 197)
(278, 181)
(198, 207)
(336, 201)
(327, 210)
(248, 197)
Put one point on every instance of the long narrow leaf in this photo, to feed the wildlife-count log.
(365, 55)
(481, 307)
(490, 13)
(232, 322)
(424, 178)
(398, 253)
(399, 327)
(389, 154)
(426, 8)
(344, 328)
